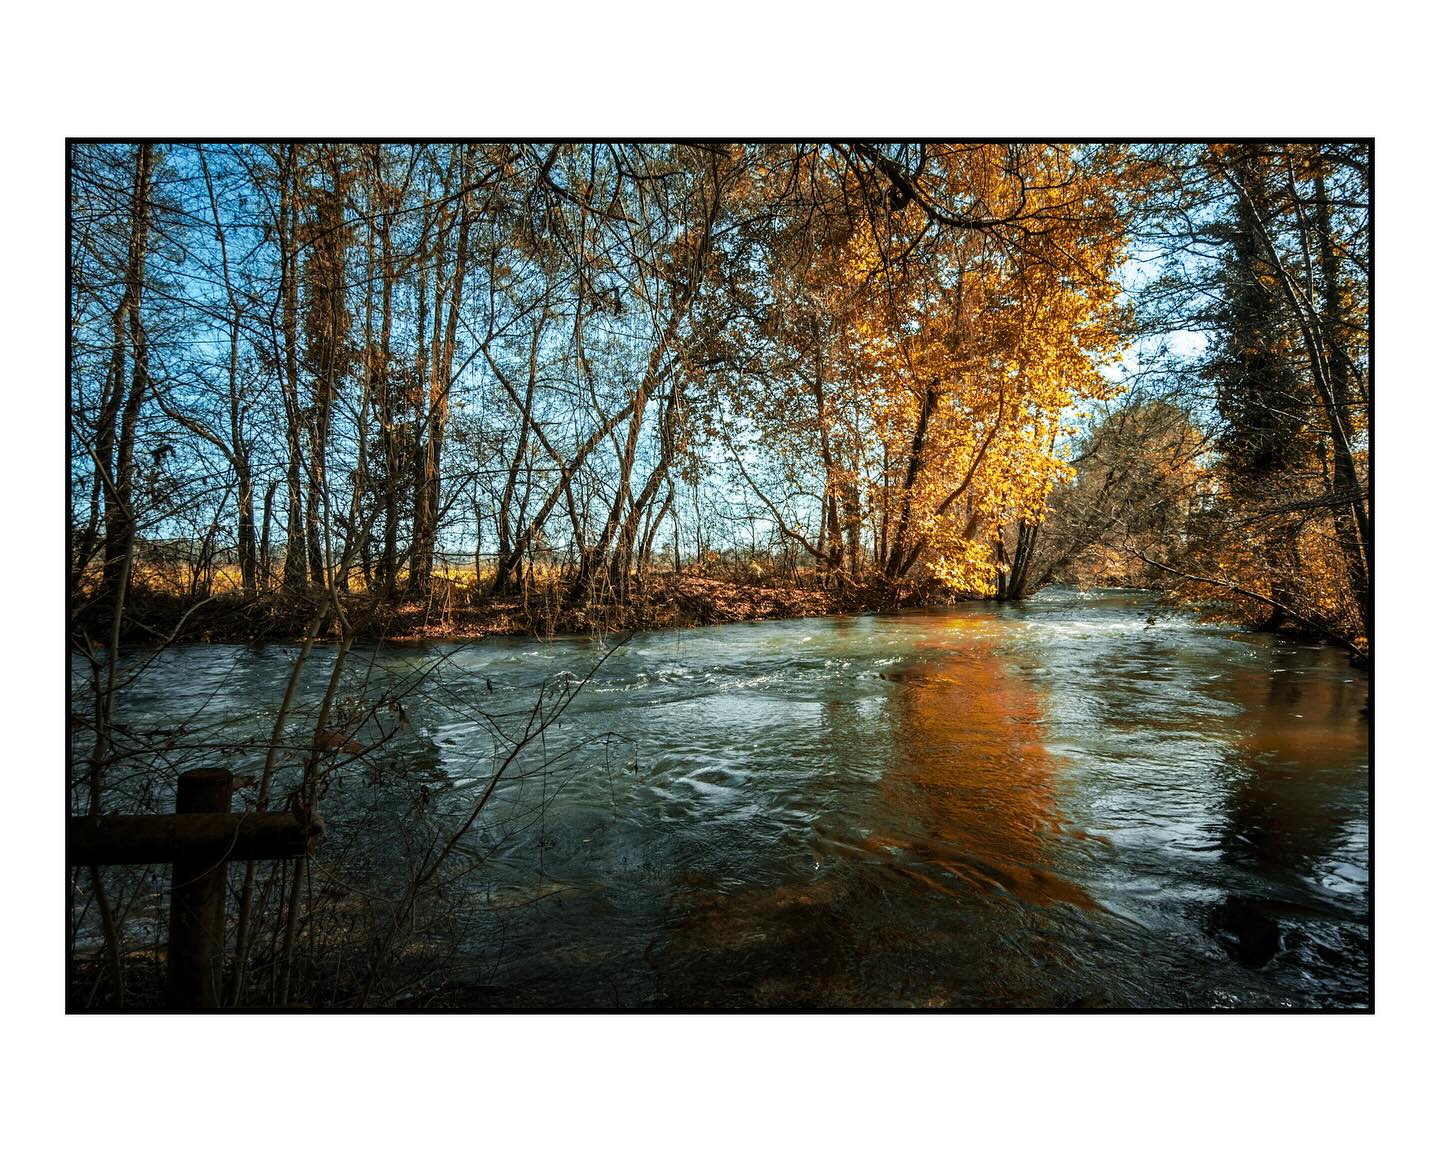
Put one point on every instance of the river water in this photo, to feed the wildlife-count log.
(1083, 801)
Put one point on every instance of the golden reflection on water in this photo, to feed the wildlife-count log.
(965, 809)
(1300, 717)
(966, 806)
(1281, 814)
(973, 778)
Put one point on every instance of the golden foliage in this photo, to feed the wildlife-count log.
(1001, 334)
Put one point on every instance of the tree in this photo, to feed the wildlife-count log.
(1246, 233)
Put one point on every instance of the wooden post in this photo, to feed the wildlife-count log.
(196, 956)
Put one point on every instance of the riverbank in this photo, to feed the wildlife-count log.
(452, 612)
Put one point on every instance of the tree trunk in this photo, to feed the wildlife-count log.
(1351, 530)
(912, 473)
(128, 330)
(508, 558)
(295, 548)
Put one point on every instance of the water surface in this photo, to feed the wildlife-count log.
(1081, 801)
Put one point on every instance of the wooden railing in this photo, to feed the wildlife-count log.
(199, 841)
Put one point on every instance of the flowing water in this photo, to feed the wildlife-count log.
(1080, 801)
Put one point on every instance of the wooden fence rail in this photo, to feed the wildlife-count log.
(166, 839)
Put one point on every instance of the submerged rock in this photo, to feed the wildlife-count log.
(1249, 935)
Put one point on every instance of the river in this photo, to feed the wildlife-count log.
(1083, 801)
